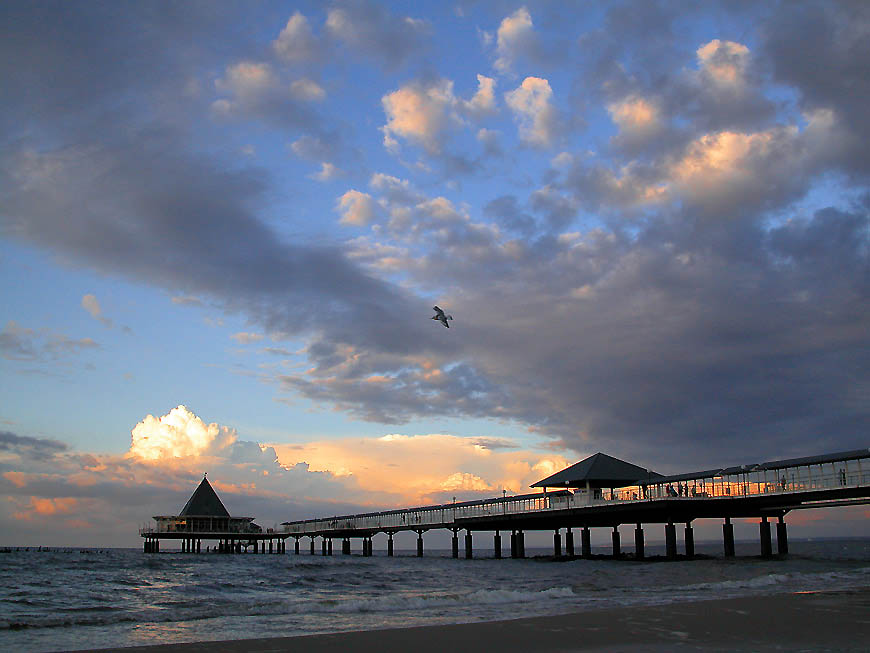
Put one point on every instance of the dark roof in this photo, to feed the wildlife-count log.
(674, 478)
(816, 460)
(204, 502)
(599, 470)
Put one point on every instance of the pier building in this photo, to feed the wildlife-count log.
(605, 492)
(204, 517)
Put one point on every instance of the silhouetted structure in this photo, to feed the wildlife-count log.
(204, 517)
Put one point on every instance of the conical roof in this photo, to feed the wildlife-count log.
(204, 502)
(599, 470)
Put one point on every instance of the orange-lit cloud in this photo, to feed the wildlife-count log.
(42, 507)
(724, 62)
(422, 467)
(532, 104)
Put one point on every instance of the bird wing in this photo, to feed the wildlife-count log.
(438, 310)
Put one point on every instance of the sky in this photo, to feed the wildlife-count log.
(223, 227)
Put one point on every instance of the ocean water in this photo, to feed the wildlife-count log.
(67, 599)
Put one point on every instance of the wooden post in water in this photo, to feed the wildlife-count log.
(496, 545)
(671, 541)
(569, 543)
(781, 536)
(557, 544)
(728, 537)
(638, 542)
(454, 543)
(469, 551)
(585, 543)
(764, 528)
(689, 540)
(614, 537)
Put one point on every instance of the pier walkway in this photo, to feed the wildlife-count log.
(765, 491)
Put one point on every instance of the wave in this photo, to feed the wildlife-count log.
(189, 611)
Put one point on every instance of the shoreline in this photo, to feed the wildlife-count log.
(827, 620)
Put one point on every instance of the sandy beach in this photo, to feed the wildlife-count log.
(835, 621)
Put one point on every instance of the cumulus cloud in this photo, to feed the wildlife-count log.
(306, 89)
(357, 209)
(515, 37)
(419, 113)
(534, 111)
(724, 62)
(296, 42)
(423, 112)
(178, 434)
(255, 90)
(639, 120)
(327, 172)
(483, 102)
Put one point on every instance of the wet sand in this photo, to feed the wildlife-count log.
(835, 621)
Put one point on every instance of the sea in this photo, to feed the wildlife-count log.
(68, 599)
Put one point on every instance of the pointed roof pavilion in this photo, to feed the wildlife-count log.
(597, 471)
(204, 502)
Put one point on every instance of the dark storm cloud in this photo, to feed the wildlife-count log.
(679, 342)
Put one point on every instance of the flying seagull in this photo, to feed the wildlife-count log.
(439, 315)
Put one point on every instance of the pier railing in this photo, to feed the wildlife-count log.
(744, 481)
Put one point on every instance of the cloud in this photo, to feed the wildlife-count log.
(92, 306)
(317, 148)
(23, 344)
(32, 448)
(724, 62)
(187, 301)
(178, 434)
(306, 89)
(534, 112)
(419, 113)
(244, 338)
(515, 36)
(639, 120)
(369, 28)
(426, 113)
(254, 90)
(482, 104)
(356, 208)
(327, 172)
(425, 468)
(296, 42)
(818, 50)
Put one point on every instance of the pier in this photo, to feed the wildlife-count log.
(598, 492)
